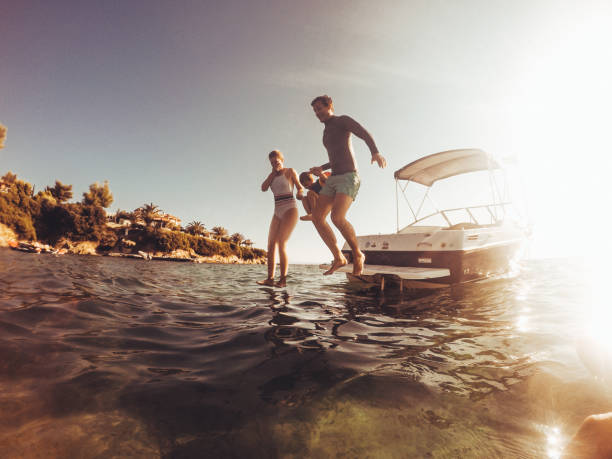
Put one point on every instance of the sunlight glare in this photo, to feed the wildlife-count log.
(553, 440)
(562, 114)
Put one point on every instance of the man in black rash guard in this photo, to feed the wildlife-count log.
(342, 186)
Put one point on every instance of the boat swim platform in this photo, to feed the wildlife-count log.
(406, 276)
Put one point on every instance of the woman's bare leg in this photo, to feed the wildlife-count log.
(287, 225)
(272, 243)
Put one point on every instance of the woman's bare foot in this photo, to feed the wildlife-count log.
(269, 282)
(358, 263)
(282, 282)
(336, 264)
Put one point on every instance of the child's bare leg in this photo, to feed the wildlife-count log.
(310, 201)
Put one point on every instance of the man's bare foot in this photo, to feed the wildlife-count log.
(358, 263)
(269, 282)
(306, 218)
(282, 282)
(336, 264)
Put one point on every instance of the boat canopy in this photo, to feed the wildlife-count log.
(432, 168)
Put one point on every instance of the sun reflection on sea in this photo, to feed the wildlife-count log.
(595, 346)
(522, 321)
(554, 443)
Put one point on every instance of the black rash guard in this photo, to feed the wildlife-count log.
(316, 187)
(337, 141)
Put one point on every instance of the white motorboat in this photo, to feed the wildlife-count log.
(448, 246)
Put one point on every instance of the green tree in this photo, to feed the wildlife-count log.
(45, 196)
(9, 178)
(195, 227)
(219, 231)
(17, 207)
(54, 222)
(123, 214)
(63, 193)
(98, 195)
(89, 222)
(2, 135)
(148, 212)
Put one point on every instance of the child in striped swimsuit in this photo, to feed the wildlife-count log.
(281, 181)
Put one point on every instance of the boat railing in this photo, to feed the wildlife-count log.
(492, 209)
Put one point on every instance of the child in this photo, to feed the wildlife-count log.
(307, 180)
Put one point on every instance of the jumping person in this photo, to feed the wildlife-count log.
(307, 179)
(342, 186)
(281, 181)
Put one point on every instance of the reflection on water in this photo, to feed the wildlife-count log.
(102, 357)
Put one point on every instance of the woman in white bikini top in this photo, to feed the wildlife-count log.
(281, 181)
(282, 188)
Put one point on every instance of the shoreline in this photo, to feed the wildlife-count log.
(9, 240)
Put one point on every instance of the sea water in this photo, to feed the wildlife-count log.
(103, 357)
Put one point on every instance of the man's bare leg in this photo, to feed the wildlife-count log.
(340, 207)
(320, 213)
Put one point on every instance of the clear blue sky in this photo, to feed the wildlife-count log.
(178, 103)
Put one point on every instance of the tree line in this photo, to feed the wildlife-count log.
(48, 216)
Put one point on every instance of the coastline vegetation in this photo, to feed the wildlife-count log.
(47, 216)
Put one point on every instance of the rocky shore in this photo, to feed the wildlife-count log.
(8, 238)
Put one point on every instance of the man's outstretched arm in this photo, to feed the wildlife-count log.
(354, 127)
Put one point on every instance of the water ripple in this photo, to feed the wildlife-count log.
(199, 357)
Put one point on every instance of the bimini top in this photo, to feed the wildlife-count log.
(429, 169)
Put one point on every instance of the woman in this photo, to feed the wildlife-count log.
(281, 180)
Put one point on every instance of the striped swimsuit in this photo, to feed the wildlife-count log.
(283, 195)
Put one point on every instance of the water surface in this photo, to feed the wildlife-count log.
(103, 357)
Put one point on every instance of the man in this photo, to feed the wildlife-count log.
(341, 187)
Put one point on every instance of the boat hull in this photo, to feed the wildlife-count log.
(469, 255)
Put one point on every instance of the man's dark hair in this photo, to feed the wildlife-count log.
(324, 99)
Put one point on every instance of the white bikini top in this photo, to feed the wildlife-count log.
(281, 185)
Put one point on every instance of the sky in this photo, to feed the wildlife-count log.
(178, 103)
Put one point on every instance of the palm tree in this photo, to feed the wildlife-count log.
(237, 238)
(196, 228)
(148, 213)
(219, 231)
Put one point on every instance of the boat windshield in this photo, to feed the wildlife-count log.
(474, 199)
